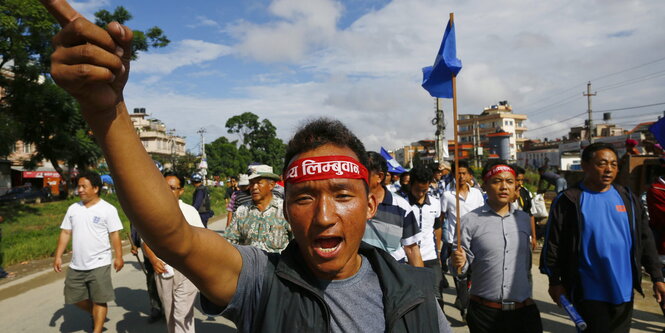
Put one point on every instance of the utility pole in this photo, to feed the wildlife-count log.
(588, 94)
(440, 132)
(204, 163)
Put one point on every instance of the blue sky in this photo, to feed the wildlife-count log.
(360, 61)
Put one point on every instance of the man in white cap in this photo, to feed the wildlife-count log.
(260, 222)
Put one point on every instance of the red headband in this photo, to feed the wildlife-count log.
(325, 167)
(499, 168)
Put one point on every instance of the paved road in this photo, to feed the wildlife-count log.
(37, 306)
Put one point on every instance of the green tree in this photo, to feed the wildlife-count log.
(32, 108)
(225, 158)
(153, 37)
(185, 165)
(260, 138)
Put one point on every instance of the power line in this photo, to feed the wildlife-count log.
(628, 69)
(558, 122)
(646, 77)
(575, 86)
(562, 102)
(632, 107)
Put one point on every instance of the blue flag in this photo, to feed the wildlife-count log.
(658, 130)
(393, 165)
(437, 79)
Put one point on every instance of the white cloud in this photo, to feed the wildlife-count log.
(184, 53)
(202, 21)
(536, 55)
(88, 8)
(299, 26)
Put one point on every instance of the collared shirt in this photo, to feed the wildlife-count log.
(266, 230)
(437, 191)
(474, 199)
(498, 253)
(427, 216)
(393, 226)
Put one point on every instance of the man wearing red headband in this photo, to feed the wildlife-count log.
(496, 248)
(324, 281)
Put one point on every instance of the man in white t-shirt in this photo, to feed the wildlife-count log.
(176, 291)
(93, 225)
(427, 210)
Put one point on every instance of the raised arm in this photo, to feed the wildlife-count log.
(92, 64)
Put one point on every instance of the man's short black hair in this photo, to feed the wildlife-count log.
(461, 164)
(435, 168)
(234, 178)
(376, 163)
(319, 132)
(518, 169)
(587, 153)
(181, 178)
(490, 164)
(542, 169)
(421, 174)
(93, 177)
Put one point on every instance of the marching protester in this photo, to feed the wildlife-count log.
(597, 240)
(495, 247)
(201, 199)
(427, 211)
(94, 227)
(311, 286)
(393, 228)
(470, 198)
(394, 185)
(176, 291)
(260, 222)
(231, 187)
(523, 201)
(656, 208)
(238, 198)
(438, 184)
(156, 308)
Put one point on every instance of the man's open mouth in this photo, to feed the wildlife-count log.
(327, 245)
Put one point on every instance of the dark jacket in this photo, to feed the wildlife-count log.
(290, 303)
(561, 252)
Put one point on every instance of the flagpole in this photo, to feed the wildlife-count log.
(457, 184)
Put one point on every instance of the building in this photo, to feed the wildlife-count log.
(476, 128)
(599, 130)
(156, 139)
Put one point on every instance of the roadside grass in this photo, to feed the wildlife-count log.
(31, 231)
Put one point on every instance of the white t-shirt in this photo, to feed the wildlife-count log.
(474, 199)
(90, 226)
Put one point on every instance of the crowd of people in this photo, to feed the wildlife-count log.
(341, 245)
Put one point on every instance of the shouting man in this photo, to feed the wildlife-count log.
(325, 280)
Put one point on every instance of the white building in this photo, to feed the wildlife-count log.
(155, 137)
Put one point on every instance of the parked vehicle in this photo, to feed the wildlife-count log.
(26, 194)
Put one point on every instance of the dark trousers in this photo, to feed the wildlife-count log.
(462, 290)
(155, 302)
(446, 250)
(438, 275)
(483, 319)
(606, 317)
